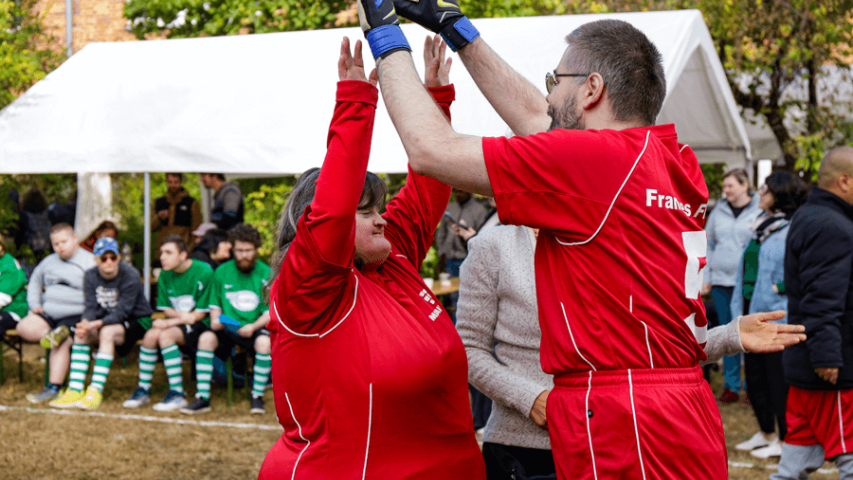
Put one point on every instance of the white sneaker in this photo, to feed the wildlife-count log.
(173, 401)
(756, 441)
(772, 450)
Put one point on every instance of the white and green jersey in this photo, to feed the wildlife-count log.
(240, 295)
(13, 287)
(186, 291)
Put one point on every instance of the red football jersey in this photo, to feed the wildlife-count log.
(621, 246)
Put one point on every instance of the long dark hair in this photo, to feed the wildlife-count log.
(789, 191)
(302, 194)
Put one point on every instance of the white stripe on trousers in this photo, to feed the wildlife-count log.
(841, 424)
(293, 476)
(636, 430)
(588, 434)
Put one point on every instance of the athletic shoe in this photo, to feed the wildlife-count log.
(199, 405)
(772, 450)
(257, 406)
(48, 393)
(69, 399)
(746, 403)
(138, 398)
(728, 396)
(757, 441)
(173, 401)
(92, 400)
(55, 337)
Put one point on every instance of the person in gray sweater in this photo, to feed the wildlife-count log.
(55, 299)
(498, 322)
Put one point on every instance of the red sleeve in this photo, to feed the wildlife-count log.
(414, 213)
(562, 180)
(317, 269)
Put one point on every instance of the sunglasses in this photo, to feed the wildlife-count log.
(551, 79)
(109, 258)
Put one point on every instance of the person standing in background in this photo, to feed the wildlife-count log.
(176, 212)
(227, 209)
(728, 233)
(760, 287)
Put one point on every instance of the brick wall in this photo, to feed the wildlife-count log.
(94, 21)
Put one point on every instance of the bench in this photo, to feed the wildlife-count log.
(16, 343)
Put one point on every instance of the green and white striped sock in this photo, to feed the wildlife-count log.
(263, 365)
(79, 367)
(203, 373)
(103, 361)
(147, 362)
(172, 362)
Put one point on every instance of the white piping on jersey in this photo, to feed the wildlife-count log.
(648, 345)
(320, 335)
(682, 148)
(588, 433)
(636, 430)
(292, 476)
(573, 337)
(403, 256)
(841, 424)
(369, 425)
(637, 161)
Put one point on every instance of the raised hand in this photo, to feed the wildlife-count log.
(351, 66)
(759, 335)
(441, 16)
(381, 27)
(436, 68)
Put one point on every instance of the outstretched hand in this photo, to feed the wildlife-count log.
(436, 68)
(351, 65)
(759, 335)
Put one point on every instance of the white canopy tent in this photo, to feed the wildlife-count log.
(261, 104)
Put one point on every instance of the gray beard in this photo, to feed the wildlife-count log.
(567, 118)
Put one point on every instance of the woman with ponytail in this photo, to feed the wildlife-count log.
(369, 374)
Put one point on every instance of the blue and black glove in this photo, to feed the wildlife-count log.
(442, 17)
(381, 27)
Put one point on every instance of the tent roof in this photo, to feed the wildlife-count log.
(262, 103)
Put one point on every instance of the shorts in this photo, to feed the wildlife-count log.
(191, 336)
(648, 424)
(820, 417)
(133, 332)
(7, 322)
(70, 321)
(228, 340)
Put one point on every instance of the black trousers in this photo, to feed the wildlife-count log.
(768, 392)
(534, 461)
(7, 322)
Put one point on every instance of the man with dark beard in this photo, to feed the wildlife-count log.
(620, 205)
(238, 316)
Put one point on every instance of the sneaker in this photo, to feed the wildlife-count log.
(728, 396)
(173, 401)
(257, 406)
(772, 450)
(746, 403)
(757, 441)
(199, 405)
(69, 399)
(55, 337)
(48, 393)
(92, 399)
(138, 398)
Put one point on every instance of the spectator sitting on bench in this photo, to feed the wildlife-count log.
(182, 292)
(13, 291)
(56, 303)
(238, 316)
(117, 316)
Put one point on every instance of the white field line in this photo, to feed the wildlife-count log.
(145, 418)
(774, 466)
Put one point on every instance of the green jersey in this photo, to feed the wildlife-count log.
(186, 291)
(13, 287)
(240, 295)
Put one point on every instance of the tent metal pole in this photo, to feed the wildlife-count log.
(146, 268)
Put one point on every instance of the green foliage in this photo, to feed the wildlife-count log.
(511, 8)
(24, 59)
(263, 208)
(713, 173)
(206, 18)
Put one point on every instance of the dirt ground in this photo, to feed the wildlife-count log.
(38, 443)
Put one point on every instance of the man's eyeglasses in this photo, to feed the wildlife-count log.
(762, 189)
(109, 258)
(551, 79)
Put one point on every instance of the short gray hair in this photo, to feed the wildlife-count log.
(629, 63)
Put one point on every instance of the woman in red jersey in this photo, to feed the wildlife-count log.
(369, 374)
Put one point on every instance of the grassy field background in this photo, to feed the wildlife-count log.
(36, 443)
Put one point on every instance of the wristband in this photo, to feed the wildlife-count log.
(386, 39)
(459, 34)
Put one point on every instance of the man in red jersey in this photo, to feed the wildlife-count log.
(620, 205)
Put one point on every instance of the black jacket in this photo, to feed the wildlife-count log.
(819, 284)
